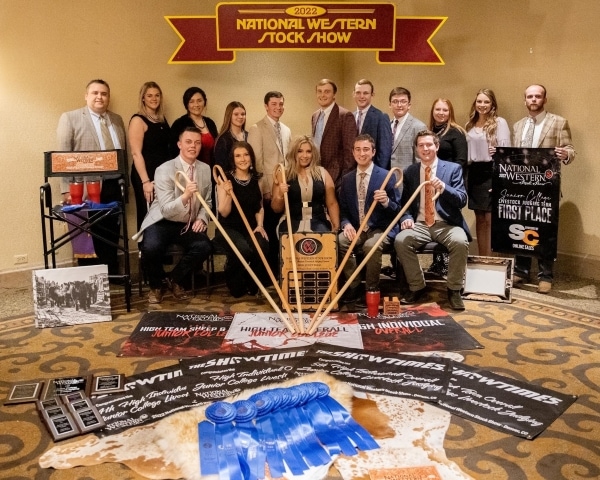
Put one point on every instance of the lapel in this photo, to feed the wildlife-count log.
(268, 126)
(333, 116)
(550, 119)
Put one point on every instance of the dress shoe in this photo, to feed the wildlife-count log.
(155, 295)
(456, 302)
(518, 279)
(412, 296)
(544, 286)
(179, 292)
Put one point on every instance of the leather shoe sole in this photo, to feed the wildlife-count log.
(412, 297)
(456, 301)
(544, 286)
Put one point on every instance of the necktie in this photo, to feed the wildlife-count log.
(359, 120)
(279, 139)
(319, 128)
(394, 126)
(528, 140)
(362, 196)
(192, 211)
(108, 143)
(429, 206)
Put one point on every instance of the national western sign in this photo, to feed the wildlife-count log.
(306, 27)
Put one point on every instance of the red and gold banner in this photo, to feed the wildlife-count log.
(306, 27)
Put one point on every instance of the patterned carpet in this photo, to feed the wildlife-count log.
(539, 343)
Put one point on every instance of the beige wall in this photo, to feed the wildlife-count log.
(51, 49)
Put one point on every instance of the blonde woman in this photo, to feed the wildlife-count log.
(148, 136)
(310, 188)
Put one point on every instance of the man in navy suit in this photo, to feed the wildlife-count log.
(352, 210)
(372, 121)
(449, 227)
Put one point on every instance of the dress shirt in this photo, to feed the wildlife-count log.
(326, 112)
(96, 120)
(401, 122)
(362, 118)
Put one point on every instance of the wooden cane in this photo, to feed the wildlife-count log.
(353, 243)
(219, 176)
(370, 254)
(289, 326)
(281, 169)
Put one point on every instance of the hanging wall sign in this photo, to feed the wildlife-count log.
(306, 27)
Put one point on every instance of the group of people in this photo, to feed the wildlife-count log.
(331, 179)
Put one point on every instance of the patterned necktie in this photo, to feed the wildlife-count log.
(528, 140)
(319, 128)
(394, 126)
(190, 203)
(279, 139)
(362, 196)
(429, 206)
(108, 143)
(359, 120)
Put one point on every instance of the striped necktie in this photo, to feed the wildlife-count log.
(106, 137)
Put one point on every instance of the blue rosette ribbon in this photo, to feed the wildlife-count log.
(222, 415)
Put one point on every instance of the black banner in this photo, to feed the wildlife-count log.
(501, 403)
(525, 199)
(418, 377)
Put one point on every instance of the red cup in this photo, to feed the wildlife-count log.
(76, 191)
(372, 299)
(93, 190)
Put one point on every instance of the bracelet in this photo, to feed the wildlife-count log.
(143, 183)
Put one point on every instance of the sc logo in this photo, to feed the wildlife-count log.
(518, 232)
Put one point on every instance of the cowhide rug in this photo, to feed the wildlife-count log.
(410, 433)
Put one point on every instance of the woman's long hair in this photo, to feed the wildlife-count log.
(491, 122)
(291, 171)
(160, 112)
(451, 120)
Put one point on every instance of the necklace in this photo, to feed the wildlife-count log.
(153, 118)
(198, 126)
(243, 183)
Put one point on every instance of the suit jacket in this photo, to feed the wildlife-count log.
(381, 217)
(556, 133)
(76, 133)
(167, 204)
(450, 202)
(268, 152)
(337, 142)
(377, 124)
(403, 149)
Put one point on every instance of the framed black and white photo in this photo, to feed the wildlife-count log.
(71, 296)
(488, 279)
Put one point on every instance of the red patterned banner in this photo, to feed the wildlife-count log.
(299, 27)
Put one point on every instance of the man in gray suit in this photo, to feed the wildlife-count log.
(270, 139)
(81, 130)
(404, 129)
(177, 217)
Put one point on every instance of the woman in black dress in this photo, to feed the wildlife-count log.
(453, 148)
(310, 188)
(242, 180)
(148, 136)
(233, 130)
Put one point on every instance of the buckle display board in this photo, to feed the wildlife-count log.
(316, 261)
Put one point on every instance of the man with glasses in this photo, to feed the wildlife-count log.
(404, 128)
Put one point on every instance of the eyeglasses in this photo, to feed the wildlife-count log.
(399, 102)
